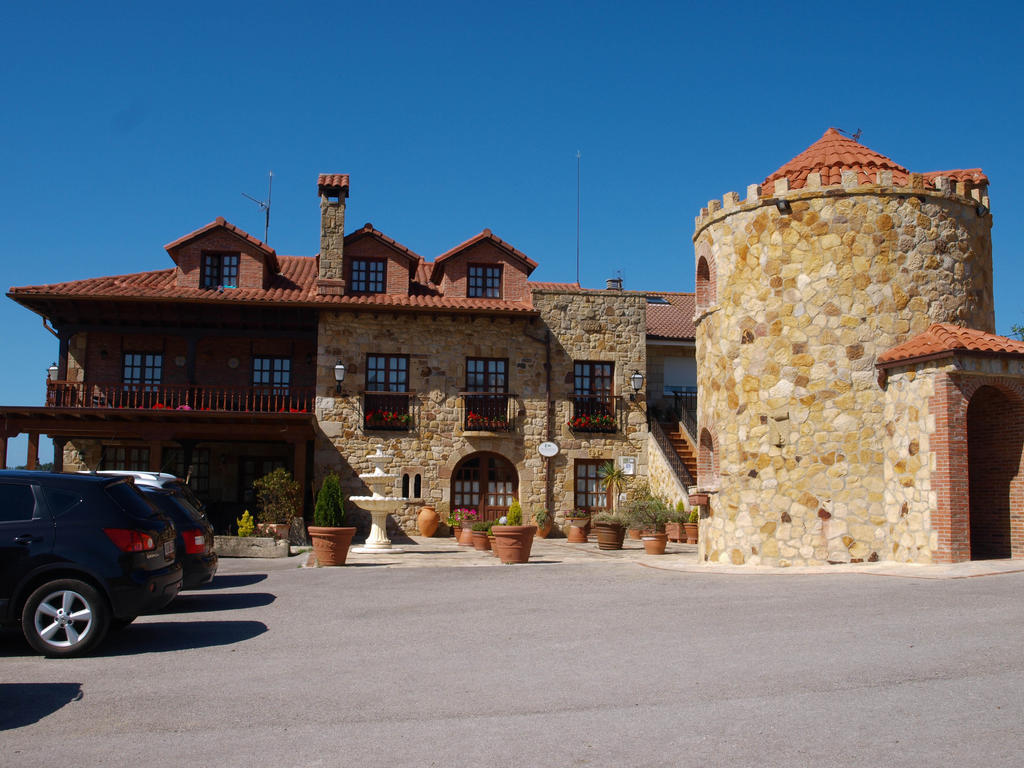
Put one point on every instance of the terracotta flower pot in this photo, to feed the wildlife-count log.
(692, 531)
(577, 534)
(466, 537)
(634, 534)
(330, 545)
(480, 541)
(674, 531)
(610, 535)
(654, 543)
(514, 542)
(427, 521)
(544, 530)
(456, 532)
(491, 541)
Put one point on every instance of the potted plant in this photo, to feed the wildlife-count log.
(331, 538)
(464, 520)
(610, 529)
(480, 541)
(452, 521)
(692, 526)
(544, 522)
(278, 502)
(649, 514)
(514, 539)
(674, 525)
(577, 526)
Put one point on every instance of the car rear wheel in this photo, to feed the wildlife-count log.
(66, 617)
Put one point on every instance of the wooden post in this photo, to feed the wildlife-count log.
(58, 455)
(300, 468)
(156, 456)
(3, 452)
(32, 460)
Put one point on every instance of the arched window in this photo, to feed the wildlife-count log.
(405, 486)
(707, 462)
(417, 487)
(704, 288)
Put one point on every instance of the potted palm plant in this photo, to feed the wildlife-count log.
(331, 538)
(514, 540)
(613, 480)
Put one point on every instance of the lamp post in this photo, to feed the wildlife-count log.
(51, 372)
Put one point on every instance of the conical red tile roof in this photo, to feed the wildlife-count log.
(943, 338)
(830, 155)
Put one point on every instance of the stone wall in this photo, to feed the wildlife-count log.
(662, 479)
(593, 325)
(803, 303)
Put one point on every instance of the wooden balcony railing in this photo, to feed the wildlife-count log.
(593, 413)
(487, 412)
(78, 394)
(388, 411)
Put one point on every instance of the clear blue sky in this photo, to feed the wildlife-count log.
(125, 126)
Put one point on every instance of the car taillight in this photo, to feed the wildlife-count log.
(128, 540)
(195, 541)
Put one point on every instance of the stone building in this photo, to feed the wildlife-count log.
(224, 367)
(845, 414)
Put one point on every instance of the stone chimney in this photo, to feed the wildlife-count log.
(613, 284)
(333, 189)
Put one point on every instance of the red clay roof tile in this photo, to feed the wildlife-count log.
(337, 181)
(834, 153)
(439, 262)
(830, 155)
(941, 339)
(220, 222)
(673, 320)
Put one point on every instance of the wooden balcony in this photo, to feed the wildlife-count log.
(388, 411)
(78, 394)
(487, 412)
(593, 413)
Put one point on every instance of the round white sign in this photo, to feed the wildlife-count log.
(548, 449)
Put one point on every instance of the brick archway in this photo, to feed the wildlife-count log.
(995, 439)
(707, 461)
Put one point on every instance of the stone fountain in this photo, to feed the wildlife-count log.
(378, 505)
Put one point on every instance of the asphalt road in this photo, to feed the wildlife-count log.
(606, 664)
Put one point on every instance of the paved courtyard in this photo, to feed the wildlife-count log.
(577, 659)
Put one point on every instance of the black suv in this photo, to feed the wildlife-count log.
(78, 555)
(195, 534)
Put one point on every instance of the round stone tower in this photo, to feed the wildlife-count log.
(833, 259)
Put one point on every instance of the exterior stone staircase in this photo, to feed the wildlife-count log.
(682, 446)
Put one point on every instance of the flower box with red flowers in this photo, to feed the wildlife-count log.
(593, 422)
(384, 419)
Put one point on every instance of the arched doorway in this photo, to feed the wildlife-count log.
(485, 482)
(995, 433)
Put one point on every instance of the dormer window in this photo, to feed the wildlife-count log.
(367, 276)
(484, 281)
(220, 270)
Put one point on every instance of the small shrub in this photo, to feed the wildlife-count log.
(279, 497)
(515, 513)
(481, 526)
(329, 511)
(541, 517)
(694, 515)
(609, 518)
(246, 525)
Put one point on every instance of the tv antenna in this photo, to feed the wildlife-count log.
(855, 135)
(264, 206)
(578, 162)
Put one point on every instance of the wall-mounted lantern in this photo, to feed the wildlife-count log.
(51, 372)
(339, 375)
